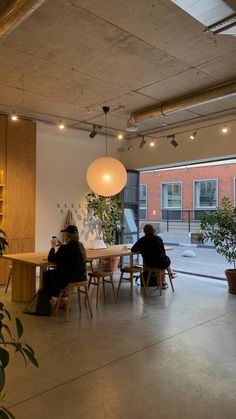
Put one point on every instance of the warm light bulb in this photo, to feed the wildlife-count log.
(61, 125)
(224, 129)
(152, 144)
(191, 137)
(120, 136)
(107, 177)
(14, 117)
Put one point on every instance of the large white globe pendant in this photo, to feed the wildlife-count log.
(106, 176)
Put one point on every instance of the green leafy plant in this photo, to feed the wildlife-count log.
(107, 212)
(8, 340)
(220, 227)
(3, 242)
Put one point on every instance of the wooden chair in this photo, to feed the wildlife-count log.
(159, 276)
(90, 263)
(132, 271)
(9, 278)
(66, 293)
(98, 278)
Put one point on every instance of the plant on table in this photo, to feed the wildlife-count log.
(219, 226)
(106, 211)
(7, 340)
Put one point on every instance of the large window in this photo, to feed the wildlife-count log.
(205, 194)
(171, 200)
(143, 202)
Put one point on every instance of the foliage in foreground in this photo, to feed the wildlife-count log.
(220, 227)
(8, 340)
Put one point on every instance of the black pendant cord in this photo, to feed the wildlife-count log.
(106, 110)
(106, 132)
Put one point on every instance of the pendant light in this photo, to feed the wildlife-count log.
(106, 176)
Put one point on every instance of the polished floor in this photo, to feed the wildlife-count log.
(156, 357)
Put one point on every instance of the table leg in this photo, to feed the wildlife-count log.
(23, 281)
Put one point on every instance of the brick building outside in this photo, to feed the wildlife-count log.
(180, 194)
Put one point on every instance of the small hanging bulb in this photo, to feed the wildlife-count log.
(152, 143)
(120, 136)
(224, 130)
(14, 117)
(61, 125)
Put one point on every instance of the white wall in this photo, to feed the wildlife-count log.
(64, 156)
(62, 161)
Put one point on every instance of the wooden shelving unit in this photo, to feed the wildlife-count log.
(2, 201)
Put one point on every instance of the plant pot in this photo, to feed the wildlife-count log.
(110, 264)
(196, 238)
(231, 278)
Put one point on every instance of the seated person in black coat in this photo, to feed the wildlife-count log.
(70, 261)
(152, 249)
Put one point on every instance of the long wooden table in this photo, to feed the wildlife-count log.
(24, 268)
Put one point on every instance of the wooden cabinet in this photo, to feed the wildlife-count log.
(1, 198)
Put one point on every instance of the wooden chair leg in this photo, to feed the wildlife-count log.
(8, 280)
(148, 279)
(88, 300)
(113, 287)
(118, 289)
(103, 289)
(144, 285)
(68, 305)
(131, 285)
(97, 295)
(171, 283)
(79, 302)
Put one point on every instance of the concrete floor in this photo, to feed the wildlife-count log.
(159, 357)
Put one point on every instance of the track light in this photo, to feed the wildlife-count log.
(94, 132)
(193, 135)
(173, 142)
(142, 143)
(14, 117)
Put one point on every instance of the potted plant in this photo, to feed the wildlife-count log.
(197, 237)
(220, 227)
(106, 213)
(8, 340)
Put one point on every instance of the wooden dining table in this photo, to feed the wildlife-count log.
(24, 268)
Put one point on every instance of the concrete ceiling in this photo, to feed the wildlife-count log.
(69, 58)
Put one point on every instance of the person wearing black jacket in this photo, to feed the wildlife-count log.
(152, 249)
(70, 261)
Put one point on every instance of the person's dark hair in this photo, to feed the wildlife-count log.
(149, 230)
(73, 236)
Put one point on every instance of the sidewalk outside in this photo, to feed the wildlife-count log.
(207, 262)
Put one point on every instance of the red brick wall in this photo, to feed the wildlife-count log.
(224, 173)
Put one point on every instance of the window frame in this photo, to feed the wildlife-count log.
(194, 194)
(146, 207)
